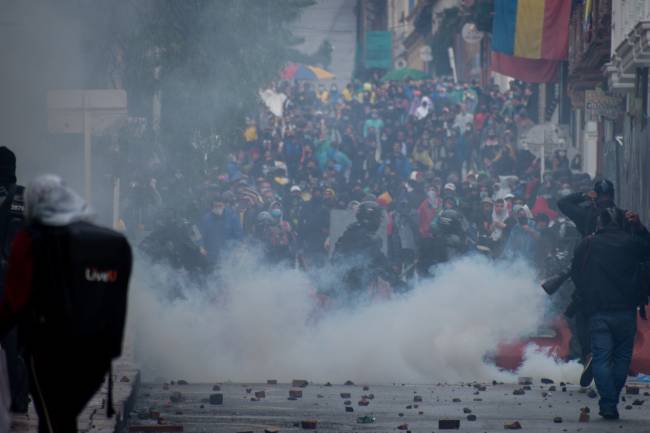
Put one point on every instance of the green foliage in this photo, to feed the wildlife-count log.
(213, 56)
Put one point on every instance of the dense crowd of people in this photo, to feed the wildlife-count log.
(442, 159)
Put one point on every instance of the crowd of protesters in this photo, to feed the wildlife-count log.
(444, 160)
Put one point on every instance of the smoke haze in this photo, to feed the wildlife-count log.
(258, 323)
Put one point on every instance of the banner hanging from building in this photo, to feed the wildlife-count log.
(532, 29)
(379, 50)
(530, 38)
(529, 70)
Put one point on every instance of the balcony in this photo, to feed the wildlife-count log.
(589, 46)
(630, 42)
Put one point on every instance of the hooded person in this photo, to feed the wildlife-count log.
(499, 216)
(424, 109)
(60, 243)
(11, 221)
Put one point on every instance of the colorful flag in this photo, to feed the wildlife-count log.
(531, 29)
(529, 70)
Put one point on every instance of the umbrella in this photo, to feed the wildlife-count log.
(298, 71)
(404, 73)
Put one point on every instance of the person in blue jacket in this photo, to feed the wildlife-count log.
(220, 229)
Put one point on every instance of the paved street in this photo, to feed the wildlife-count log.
(392, 406)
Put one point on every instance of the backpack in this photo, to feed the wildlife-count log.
(81, 277)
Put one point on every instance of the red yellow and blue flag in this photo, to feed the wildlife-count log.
(530, 38)
(532, 29)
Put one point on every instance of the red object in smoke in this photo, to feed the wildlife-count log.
(556, 339)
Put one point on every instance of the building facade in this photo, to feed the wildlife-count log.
(627, 75)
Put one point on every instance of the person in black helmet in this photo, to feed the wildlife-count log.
(12, 219)
(605, 270)
(358, 251)
(584, 210)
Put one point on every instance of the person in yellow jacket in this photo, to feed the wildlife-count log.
(422, 156)
(250, 133)
(347, 94)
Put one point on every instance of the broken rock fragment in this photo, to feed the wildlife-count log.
(295, 393)
(216, 399)
(448, 424)
(309, 424)
(299, 383)
(176, 397)
(632, 390)
(471, 417)
(366, 419)
(516, 425)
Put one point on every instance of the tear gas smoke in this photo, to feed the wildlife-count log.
(256, 322)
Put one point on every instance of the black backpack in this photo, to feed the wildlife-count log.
(80, 287)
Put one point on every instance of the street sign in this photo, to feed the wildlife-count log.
(66, 108)
(600, 104)
(379, 50)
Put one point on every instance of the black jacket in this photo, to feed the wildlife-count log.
(358, 253)
(605, 270)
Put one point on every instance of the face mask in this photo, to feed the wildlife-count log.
(433, 196)
(218, 211)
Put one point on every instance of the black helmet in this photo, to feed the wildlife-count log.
(369, 215)
(604, 186)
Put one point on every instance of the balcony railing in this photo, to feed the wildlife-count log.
(626, 14)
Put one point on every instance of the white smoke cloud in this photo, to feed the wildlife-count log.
(257, 323)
